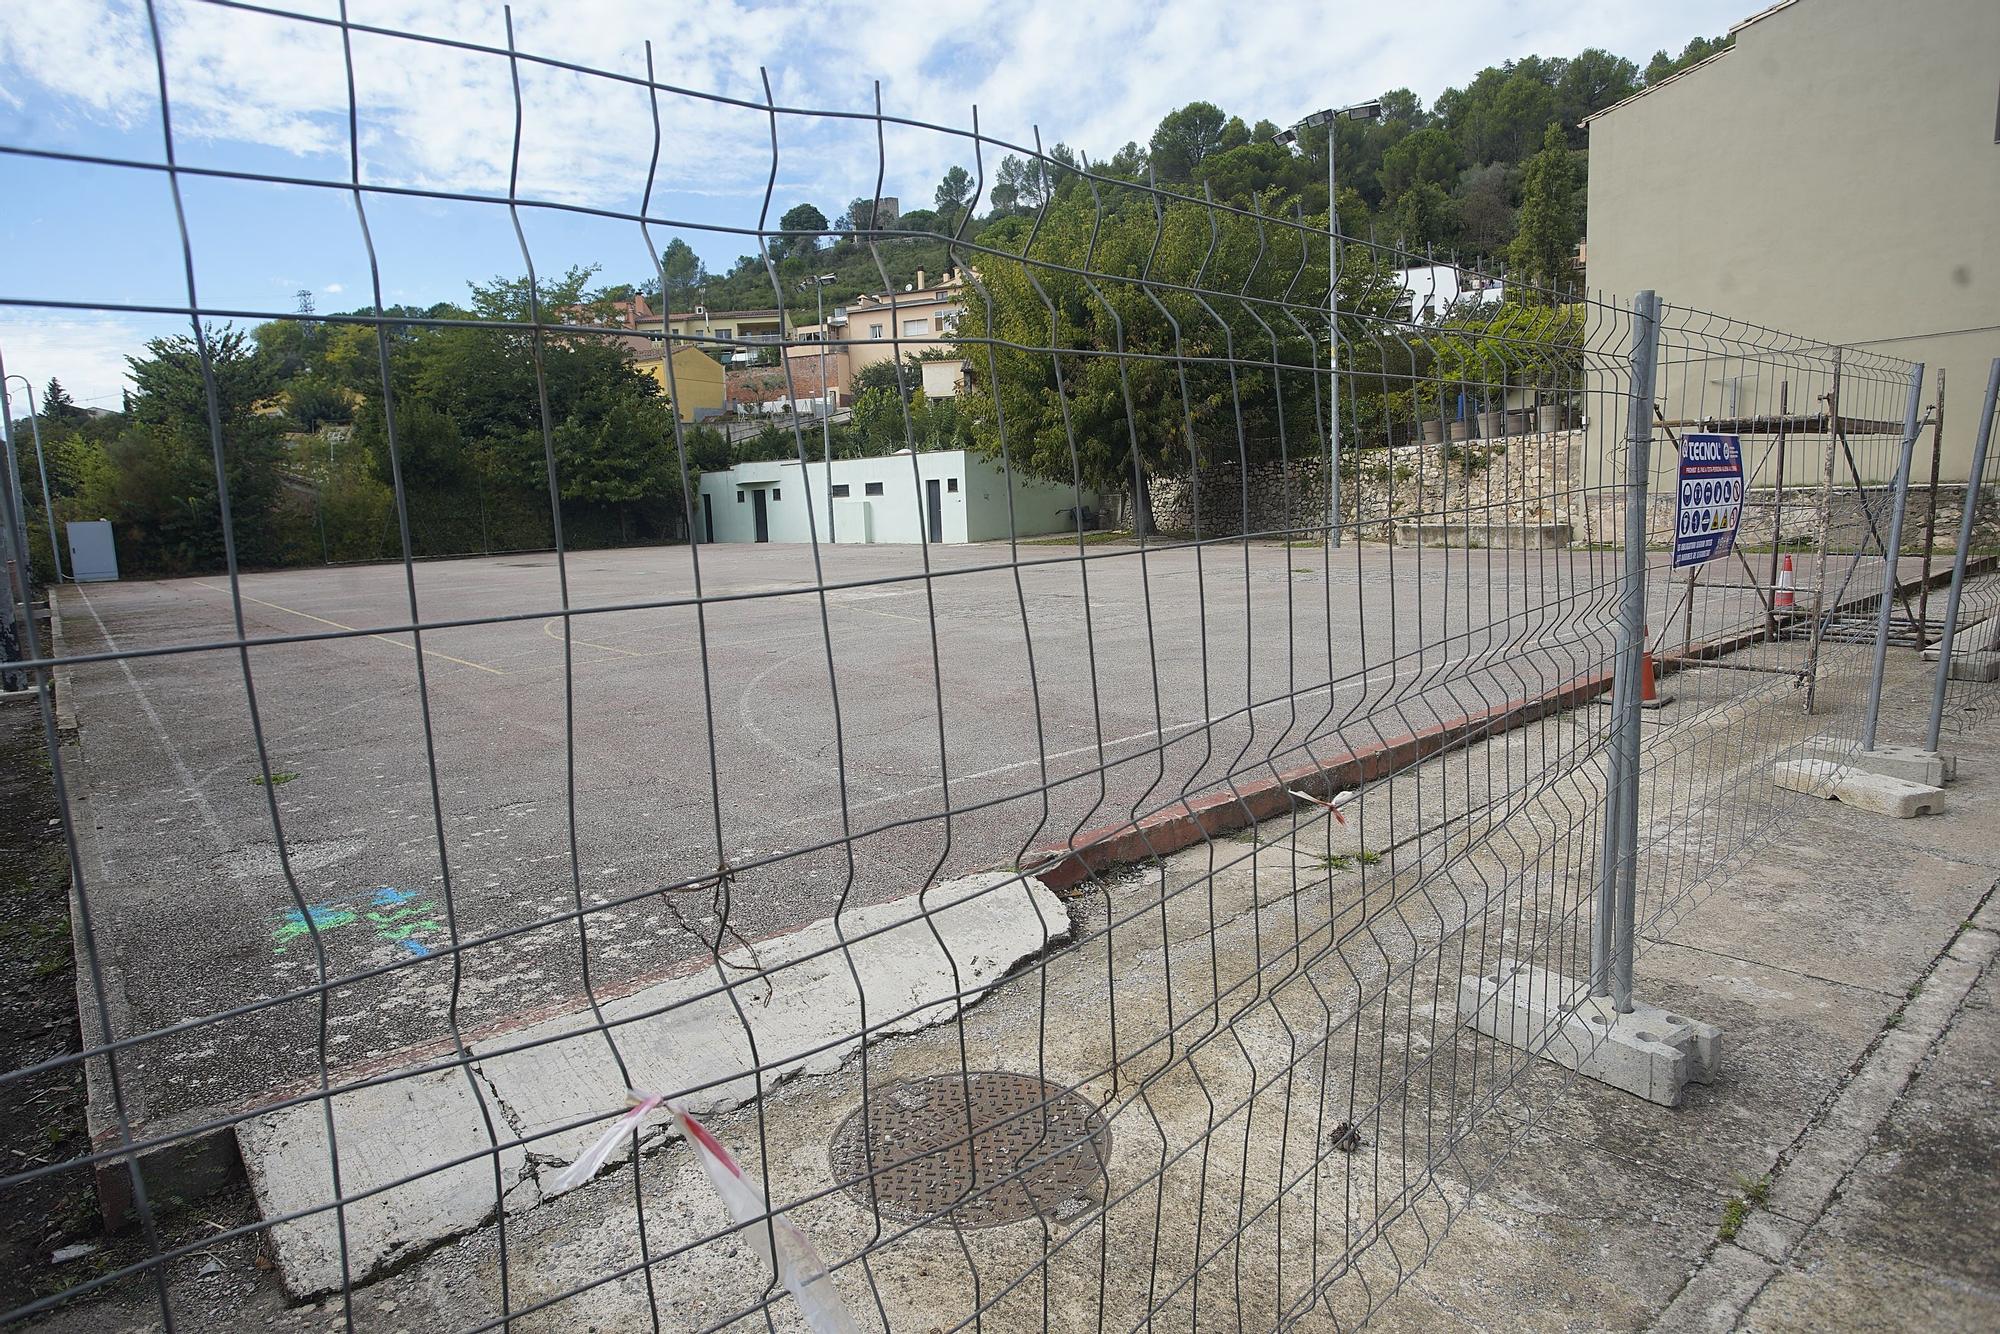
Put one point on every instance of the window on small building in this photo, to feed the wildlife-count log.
(776, 494)
(871, 488)
(739, 497)
(840, 490)
(951, 484)
(916, 328)
(874, 331)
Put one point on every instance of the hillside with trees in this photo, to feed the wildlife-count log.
(1493, 172)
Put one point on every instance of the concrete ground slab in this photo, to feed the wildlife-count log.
(795, 998)
(548, 1090)
(167, 807)
(384, 1133)
(1974, 666)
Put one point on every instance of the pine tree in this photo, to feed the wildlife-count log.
(56, 403)
(1544, 248)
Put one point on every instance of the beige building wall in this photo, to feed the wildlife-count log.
(878, 328)
(1836, 175)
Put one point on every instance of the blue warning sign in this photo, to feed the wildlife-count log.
(1711, 498)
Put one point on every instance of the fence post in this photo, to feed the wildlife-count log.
(1891, 550)
(1617, 881)
(1930, 515)
(13, 563)
(1965, 526)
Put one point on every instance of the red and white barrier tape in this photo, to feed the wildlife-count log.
(797, 1260)
(1339, 799)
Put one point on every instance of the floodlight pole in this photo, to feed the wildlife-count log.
(1333, 331)
(1331, 118)
(818, 285)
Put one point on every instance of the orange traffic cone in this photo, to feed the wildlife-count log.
(1649, 690)
(1782, 598)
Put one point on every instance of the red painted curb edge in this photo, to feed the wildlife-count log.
(1091, 851)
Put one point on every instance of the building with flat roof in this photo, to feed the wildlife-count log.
(875, 328)
(946, 496)
(1836, 174)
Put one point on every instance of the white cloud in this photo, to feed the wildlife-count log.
(1091, 75)
(334, 289)
(86, 352)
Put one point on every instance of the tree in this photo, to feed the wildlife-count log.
(953, 194)
(1400, 104)
(882, 375)
(1185, 137)
(1129, 162)
(1424, 215)
(312, 402)
(1115, 423)
(1263, 170)
(859, 217)
(1022, 183)
(168, 491)
(803, 226)
(1591, 81)
(1551, 221)
(1422, 157)
(56, 404)
(1663, 66)
(685, 274)
(1485, 213)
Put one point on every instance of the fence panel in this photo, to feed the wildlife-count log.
(1049, 925)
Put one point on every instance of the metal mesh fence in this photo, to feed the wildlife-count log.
(1962, 698)
(1060, 928)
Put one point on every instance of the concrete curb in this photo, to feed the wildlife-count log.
(1105, 847)
(65, 696)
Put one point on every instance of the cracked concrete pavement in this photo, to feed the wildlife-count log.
(1303, 1129)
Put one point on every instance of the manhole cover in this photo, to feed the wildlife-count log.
(1033, 1148)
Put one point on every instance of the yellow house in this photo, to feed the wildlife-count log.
(697, 388)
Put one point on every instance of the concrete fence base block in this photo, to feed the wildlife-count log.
(1660, 700)
(1928, 767)
(1975, 666)
(1650, 1053)
(1968, 663)
(1881, 794)
(1981, 637)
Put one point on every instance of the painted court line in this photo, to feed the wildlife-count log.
(181, 770)
(338, 625)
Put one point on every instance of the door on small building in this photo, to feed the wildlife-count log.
(934, 504)
(707, 517)
(762, 516)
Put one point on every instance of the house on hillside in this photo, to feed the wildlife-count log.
(732, 337)
(1834, 173)
(875, 328)
(696, 387)
(948, 496)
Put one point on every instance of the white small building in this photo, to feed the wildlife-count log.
(1432, 291)
(949, 495)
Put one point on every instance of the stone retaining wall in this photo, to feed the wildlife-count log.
(1503, 488)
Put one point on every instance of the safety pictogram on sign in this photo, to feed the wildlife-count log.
(1710, 501)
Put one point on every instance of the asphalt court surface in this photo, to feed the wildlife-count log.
(1072, 694)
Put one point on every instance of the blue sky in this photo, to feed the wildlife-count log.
(265, 93)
